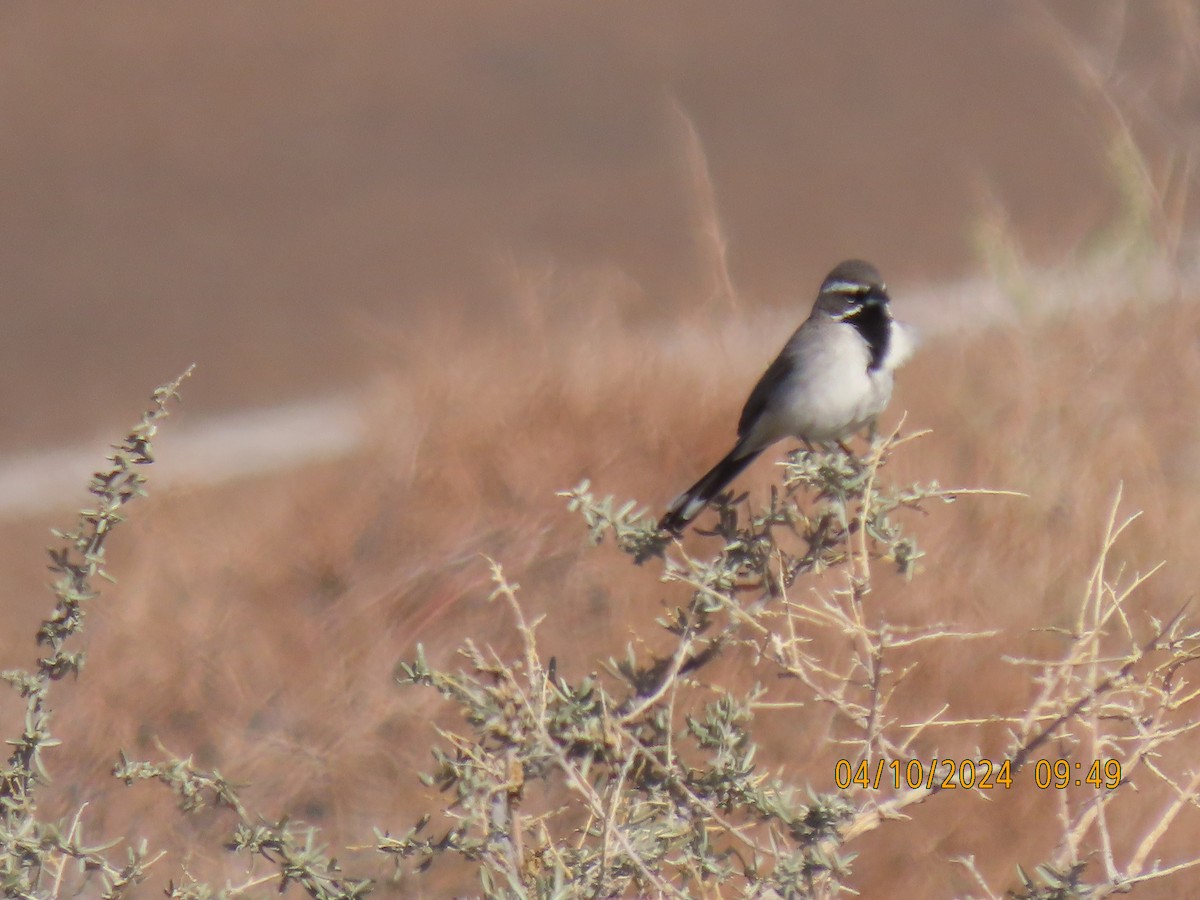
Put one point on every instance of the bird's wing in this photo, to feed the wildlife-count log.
(777, 373)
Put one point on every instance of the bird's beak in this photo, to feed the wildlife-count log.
(877, 297)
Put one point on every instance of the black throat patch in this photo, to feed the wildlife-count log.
(872, 322)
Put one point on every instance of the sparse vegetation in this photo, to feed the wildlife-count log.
(647, 774)
(754, 711)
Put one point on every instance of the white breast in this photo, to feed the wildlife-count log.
(903, 343)
(829, 394)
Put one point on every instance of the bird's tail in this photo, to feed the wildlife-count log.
(689, 504)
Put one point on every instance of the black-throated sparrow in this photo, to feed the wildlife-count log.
(832, 378)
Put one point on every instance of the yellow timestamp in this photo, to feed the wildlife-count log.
(973, 774)
(1060, 774)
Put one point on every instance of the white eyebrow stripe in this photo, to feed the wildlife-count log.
(845, 287)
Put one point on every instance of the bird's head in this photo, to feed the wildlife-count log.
(852, 288)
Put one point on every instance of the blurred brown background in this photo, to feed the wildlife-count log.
(491, 224)
(253, 188)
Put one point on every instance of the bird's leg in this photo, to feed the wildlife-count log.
(873, 430)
